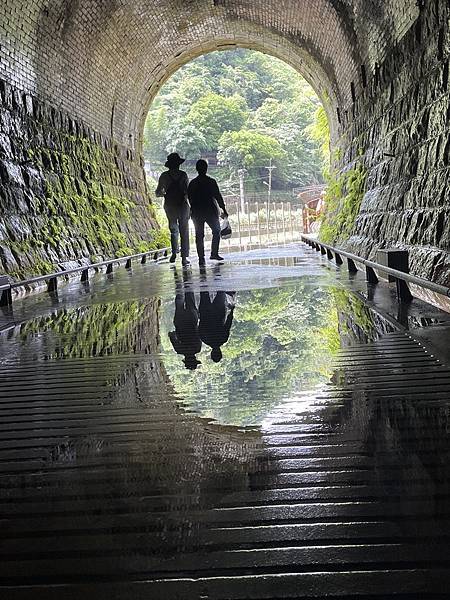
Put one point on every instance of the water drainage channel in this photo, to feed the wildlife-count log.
(310, 461)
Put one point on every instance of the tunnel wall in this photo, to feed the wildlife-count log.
(68, 194)
(399, 129)
(70, 147)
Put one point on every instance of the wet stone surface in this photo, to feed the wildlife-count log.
(266, 428)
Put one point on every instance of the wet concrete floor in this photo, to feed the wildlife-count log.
(266, 428)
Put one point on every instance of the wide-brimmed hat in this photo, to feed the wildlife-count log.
(174, 159)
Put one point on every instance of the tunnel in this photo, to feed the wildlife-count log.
(78, 78)
(268, 425)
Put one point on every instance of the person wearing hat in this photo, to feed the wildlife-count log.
(185, 339)
(173, 185)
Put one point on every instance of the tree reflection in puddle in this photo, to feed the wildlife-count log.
(281, 343)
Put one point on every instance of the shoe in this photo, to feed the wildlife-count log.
(216, 257)
(185, 262)
(173, 258)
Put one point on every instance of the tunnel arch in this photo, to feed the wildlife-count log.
(98, 59)
(126, 49)
(316, 77)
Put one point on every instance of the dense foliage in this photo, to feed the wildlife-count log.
(245, 107)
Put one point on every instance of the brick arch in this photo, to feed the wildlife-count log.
(98, 59)
(302, 63)
(101, 59)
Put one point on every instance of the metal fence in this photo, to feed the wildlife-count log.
(262, 224)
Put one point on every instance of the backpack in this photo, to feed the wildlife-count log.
(174, 195)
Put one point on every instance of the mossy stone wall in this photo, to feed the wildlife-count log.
(397, 130)
(68, 195)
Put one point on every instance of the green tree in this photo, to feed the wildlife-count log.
(250, 150)
(155, 134)
(213, 115)
(184, 137)
(238, 90)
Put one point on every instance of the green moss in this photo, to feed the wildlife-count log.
(343, 199)
(93, 330)
(81, 208)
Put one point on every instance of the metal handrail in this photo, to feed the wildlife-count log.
(51, 278)
(400, 275)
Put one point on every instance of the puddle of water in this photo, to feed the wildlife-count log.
(234, 357)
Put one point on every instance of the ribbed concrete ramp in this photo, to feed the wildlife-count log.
(110, 489)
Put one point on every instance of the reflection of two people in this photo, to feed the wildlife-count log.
(210, 323)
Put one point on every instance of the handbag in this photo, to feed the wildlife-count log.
(225, 229)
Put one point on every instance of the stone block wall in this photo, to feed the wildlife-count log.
(68, 194)
(399, 129)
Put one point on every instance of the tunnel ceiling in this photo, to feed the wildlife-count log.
(104, 60)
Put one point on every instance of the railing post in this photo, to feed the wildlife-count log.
(109, 268)
(128, 264)
(249, 224)
(144, 259)
(85, 275)
(371, 276)
(403, 292)
(259, 222)
(238, 212)
(352, 268)
(322, 250)
(6, 295)
(399, 260)
(329, 254)
(276, 220)
(52, 284)
(338, 259)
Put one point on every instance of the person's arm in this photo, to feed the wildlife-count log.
(184, 184)
(175, 342)
(161, 189)
(218, 197)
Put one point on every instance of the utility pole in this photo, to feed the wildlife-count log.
(241, 173)
(270, 168)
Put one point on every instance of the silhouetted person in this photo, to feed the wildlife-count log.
(173, 185)
(185, 339)
(216, 318)
(205, 199)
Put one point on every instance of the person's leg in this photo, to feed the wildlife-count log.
(199, 224)
(172, 218)
(183, 221)
(214, 223)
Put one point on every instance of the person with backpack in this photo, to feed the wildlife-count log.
(206, 202)
(173, 185)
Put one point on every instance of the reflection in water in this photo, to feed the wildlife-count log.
(275, 344)
(216, 318)
(110, 472)
(185, 339)
(209, 321)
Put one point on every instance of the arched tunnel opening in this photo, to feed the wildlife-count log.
(262, 130)
(268, 424)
